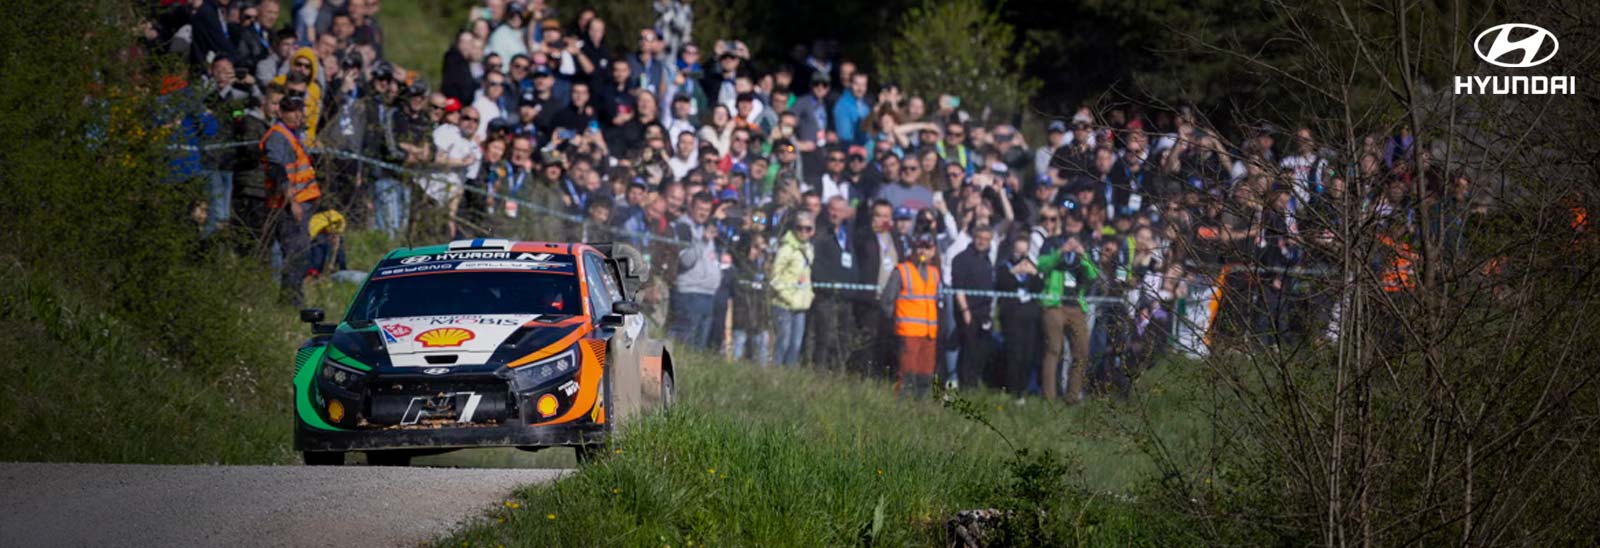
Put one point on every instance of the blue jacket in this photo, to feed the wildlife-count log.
(848, 112)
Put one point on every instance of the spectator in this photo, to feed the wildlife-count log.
(1020, 317)
(458, 82)
(878, 252)
(249, 181)
(1068, 271)
(507, 39)
(276, 62)
(301, 80)
(751, 314)
(699, 275)
(851, 110)
(973, 269)
(253, 36)
(835, 264)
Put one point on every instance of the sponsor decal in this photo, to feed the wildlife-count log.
(397, 329)
(535, 257)
(436, 370)
(497, 265)
(570, 388)
(1516, 45)
(475, 320)
(397, 270)
(387, 338)
(445, 337)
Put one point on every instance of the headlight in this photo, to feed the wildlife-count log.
(341, 376)
(542, 372)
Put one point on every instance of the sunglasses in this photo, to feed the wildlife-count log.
(805, 228)
(469, 118)
(302, 64)
(835, 160)
(910, 168)
(957, 133)
(1049, 219)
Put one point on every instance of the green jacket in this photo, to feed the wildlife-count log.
(1056, 272)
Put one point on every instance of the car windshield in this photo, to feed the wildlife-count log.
(457, 293)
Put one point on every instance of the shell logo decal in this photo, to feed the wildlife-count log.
(444, 337)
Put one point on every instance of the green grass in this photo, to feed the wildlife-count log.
(789, 457)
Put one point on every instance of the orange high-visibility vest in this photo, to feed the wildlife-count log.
(916, 311)
(302, 178)
(1399, 272)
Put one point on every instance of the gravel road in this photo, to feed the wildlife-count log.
(147, 505)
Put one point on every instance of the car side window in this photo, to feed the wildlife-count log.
(600, 294)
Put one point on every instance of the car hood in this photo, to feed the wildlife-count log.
(429, 341)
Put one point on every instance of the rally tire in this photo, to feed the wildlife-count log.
(588, 454)
(322, 458)
(669, 391)
(388, 458)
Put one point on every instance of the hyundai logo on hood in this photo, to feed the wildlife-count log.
(436, 370)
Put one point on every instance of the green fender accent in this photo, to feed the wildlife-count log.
(339, 357)
(304, 378)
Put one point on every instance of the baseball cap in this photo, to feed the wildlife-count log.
(728, 195)
(999, 167)
(452, 105)
(903, 213)
(1058, 126)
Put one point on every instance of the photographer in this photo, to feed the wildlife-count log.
(1068, 272)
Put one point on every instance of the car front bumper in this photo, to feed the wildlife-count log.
(512, 433)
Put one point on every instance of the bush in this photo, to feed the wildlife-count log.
(961, 48)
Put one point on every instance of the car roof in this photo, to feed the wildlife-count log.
(491, 244)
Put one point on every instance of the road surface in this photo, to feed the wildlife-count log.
(149, 505)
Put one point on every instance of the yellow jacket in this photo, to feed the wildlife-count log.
(313, 92)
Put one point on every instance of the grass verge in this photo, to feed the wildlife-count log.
(757, 457)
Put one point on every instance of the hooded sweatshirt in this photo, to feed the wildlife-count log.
(313, 91)
(699, 264)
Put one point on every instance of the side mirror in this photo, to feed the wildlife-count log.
(611, 320)
(625, 308)
(311, 315)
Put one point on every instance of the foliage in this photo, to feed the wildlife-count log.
(131, 338)
(960, 48)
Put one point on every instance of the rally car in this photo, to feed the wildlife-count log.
(480, 343)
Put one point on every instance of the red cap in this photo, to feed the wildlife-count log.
(452, 105)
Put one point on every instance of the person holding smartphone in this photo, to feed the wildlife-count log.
(1020, 316)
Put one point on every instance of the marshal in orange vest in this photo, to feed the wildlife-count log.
(302, 178)
(916, 311)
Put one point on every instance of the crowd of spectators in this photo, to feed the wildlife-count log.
(775, 197)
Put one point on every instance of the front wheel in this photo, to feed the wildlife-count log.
(588, 454)
(322, 458)
(388, 458)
